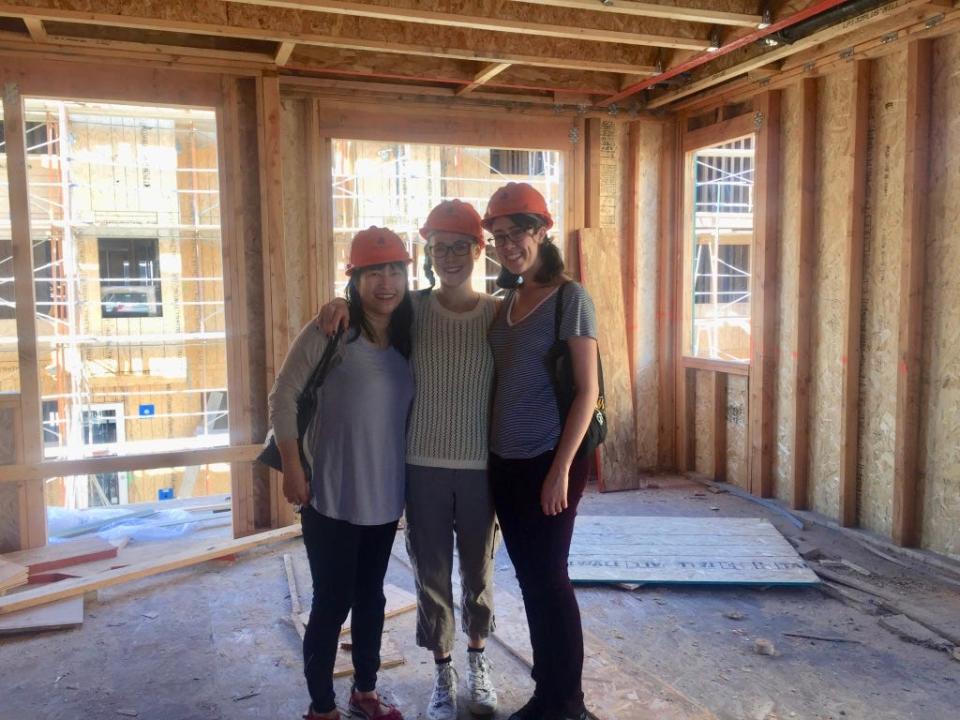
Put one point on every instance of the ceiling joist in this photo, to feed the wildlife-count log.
(485, 24)
(895, 8)
(213, 18)
(666, 12)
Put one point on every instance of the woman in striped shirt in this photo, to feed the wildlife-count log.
(536, 472)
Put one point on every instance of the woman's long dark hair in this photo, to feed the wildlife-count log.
(551, 264)
(401, 319)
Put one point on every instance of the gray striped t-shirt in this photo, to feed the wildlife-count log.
(526, 422)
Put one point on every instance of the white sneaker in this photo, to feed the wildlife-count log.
(443, 701)
(483, 696)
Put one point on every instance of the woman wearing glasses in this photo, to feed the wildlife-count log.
(535, 471)
(448, 493)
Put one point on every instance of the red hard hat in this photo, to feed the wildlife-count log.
(516, 199)
(453, 216)
(376, 246)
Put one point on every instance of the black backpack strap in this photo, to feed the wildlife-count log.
(316, 379)
(558, 312)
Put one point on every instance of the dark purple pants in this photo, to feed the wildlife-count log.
(539, 546)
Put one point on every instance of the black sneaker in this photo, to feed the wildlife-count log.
(581, 715)
(533, 710)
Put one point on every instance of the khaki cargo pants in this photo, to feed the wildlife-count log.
(444, 505)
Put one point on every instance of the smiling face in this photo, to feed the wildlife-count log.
(453, 256)
(381, 288)
(518, 248)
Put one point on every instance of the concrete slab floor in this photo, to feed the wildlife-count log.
(219, 645)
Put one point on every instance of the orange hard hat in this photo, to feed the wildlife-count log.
(453, 216)
(376, 246)
(517, 199)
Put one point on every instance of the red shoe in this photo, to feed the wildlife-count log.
(372, 708)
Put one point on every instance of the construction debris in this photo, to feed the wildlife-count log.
(913, 632)
(762, 646)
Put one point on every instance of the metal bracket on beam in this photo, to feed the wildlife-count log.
(889, 37)
(758, 121)
(933, 21)
(846, 54)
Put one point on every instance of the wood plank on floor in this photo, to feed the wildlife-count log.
(11, 575)
(60, 555)
(55, 616)
(703, 550)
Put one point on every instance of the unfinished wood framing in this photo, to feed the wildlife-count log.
(495, 23)
(668, 12)
(894, 8)
(483, 77)
(852, 265)
(906, 487)
(274, 259)
(803, 301)
(235, 305)
(667, 330)
(763, 295)
(31, 501)
(284, 52)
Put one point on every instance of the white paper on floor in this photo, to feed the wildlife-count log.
(698, 550)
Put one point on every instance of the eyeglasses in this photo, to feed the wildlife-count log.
(514, 236)
(460, 247)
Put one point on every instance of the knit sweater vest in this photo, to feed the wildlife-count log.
(453, 370)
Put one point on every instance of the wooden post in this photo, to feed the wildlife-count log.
(592, 183)
(274, 261)
(852, 264)
(575, 177)
(235, 307)
(804, 300)
(667, 331)
(720, 426)
(906, 487)
(763, 294)
(631, 229)
(31, 500)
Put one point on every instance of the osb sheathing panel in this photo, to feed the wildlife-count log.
(295, 232)
(787, 301)
(738, 469)
(703, 424)
(881, 298)
(646, 380)
(601, 266)
(941, 321)
(834, 180)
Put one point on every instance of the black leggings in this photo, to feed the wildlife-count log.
(539, 546)
(347, 563)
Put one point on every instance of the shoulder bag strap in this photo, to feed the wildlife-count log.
(558, 313)
(316, 379)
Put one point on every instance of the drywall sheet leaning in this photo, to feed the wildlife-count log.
(680, 550)
(600, 269)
